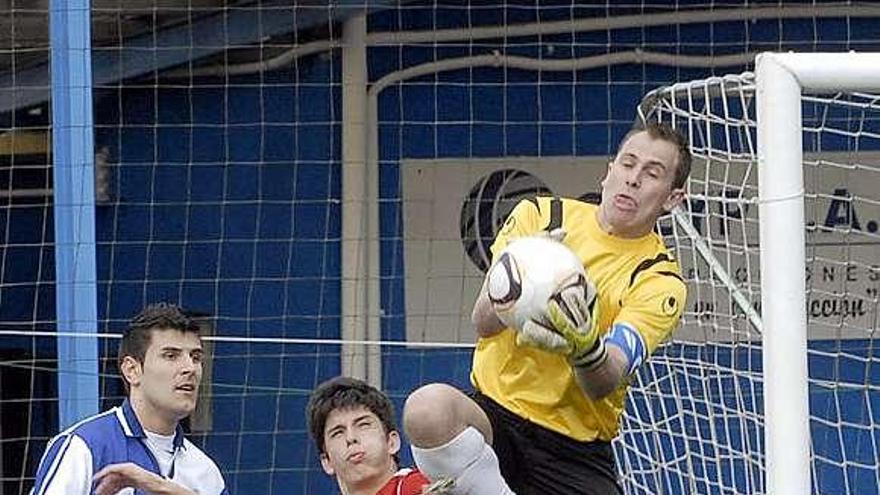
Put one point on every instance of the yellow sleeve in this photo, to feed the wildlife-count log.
(653, 307)
(525, 219)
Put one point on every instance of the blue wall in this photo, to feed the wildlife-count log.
(227, 199)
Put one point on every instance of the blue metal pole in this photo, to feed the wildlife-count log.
(74, 207)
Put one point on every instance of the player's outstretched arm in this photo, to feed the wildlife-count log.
(115, 477)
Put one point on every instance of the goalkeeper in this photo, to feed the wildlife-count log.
(543, 415)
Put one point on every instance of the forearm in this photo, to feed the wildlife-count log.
(172, 488)
(483, 316)
(162, 486)
(115, 477)
(603, 378)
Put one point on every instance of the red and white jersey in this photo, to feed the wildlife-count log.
(405, 482)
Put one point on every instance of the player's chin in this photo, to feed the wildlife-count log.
(622, 219)
(359, 473)
(184, 407)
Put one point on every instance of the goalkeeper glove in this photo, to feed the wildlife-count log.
(569, 326)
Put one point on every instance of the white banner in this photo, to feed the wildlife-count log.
(452, 208)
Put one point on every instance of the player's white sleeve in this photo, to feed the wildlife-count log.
(65, 469)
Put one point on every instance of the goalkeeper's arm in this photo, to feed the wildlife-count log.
(602, 379)
(483, 317)
(600, 364)
(623, 350)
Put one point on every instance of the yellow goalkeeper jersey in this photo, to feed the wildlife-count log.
(638, 283)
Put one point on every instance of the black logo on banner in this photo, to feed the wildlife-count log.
(487, 206)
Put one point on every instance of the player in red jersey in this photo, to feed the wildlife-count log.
(353, 426)
(405, 482)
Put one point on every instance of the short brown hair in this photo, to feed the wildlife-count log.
(665, 132)
(159, 316)
(344, 392)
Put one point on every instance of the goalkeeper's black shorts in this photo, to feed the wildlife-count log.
(538, 461)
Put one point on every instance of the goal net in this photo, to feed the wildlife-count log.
(696, 420)
(226, 180)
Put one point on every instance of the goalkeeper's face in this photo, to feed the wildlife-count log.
(165, 387)
(358, 450)
(638, 186)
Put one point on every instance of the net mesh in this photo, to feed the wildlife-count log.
(219, 141)
(706, 385)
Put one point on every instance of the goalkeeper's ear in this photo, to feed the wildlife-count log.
(676, 196)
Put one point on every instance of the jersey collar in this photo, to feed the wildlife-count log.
(132, 426)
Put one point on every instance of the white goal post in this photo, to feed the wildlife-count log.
(781, 79)
(761, 124)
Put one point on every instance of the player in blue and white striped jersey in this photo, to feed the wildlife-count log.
(139, 447)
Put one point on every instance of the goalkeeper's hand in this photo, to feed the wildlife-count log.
(569, 326)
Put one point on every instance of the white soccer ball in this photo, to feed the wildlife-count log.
(527, 273)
